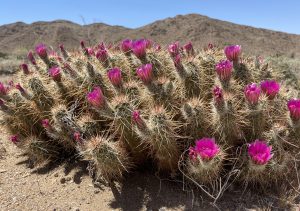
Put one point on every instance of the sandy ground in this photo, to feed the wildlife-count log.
(68, 186)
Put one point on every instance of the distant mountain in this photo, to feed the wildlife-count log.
(19, 37)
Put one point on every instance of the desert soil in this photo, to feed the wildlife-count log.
(68, 186)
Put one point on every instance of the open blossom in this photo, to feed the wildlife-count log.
(252, 93)
(31, 58)
(218, 95)
(102, 55)
(46, 123)
(224, 70)
(205, 148)
(260, 152)
(189, 49)
(145, 73)
(115, 76)
(25, 68)
(95, 97)
(270, 88)
(126, 45)
(139, 48)
(14, 139)
(174, 49)
(233, 52)
(55, 73)
(294, 108)
(3, 89)
(41, 50)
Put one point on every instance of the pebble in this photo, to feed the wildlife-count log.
(96, 191)
(62, 180)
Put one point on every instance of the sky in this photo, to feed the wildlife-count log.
(279, 15)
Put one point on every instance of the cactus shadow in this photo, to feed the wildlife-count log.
(144, 191)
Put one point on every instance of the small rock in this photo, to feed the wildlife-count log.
(56, 174)
(62, 180)
(96, 191)
(76, 209)
(68, 178)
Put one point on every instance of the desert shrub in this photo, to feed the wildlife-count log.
(215, 116)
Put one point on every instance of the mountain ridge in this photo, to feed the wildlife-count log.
(19, 37)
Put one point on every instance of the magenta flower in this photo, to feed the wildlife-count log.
(41, 50)
(252, 92)
(260, 152)
(148, 43)
(25, 68)
(139, 48)
(82, 44)
(145, 73)
(14, 139)
(77, 136)
(3, 89)
(174, 49)
(294, 108)
(31, 58)
(90, 51)
(233, 52)
(20, 88)
(102, 55)
(95, 97)
(210, 46)
(136, 117)
(126, 45)
(224, 70)
(54, 72)
(46, 123)
(101, 46)
(189, 49)
(270, 88)
(218, 95)
(157, 47)
(115, 76)
(206, 148)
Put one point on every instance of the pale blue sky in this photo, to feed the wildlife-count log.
(281, 15)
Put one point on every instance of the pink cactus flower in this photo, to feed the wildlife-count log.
(205, 148)
(252, 93)
(14, 139)
(102, 55)
(25, 68)
(115, 76)
(77, 136)
(96, 97)
(218, 95)
(233, 52)
(136, 117)
(189, 49)
(260, 152)
(174, 49)
(139, 48)
(294, 108)
(41, 50)
(157, 47)
(145, 73)
(126, 45)
(90, 51)
(210, 46)
(148, 43)
(46, 123)
(82, 44)
(3, 89)
(20, 88)
(270, 88)
(101, 46)
(224, 70)
(31, 58)
(55, 73)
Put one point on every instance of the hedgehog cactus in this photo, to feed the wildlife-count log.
(120, 106)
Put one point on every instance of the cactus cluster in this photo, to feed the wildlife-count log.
(206, 112)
